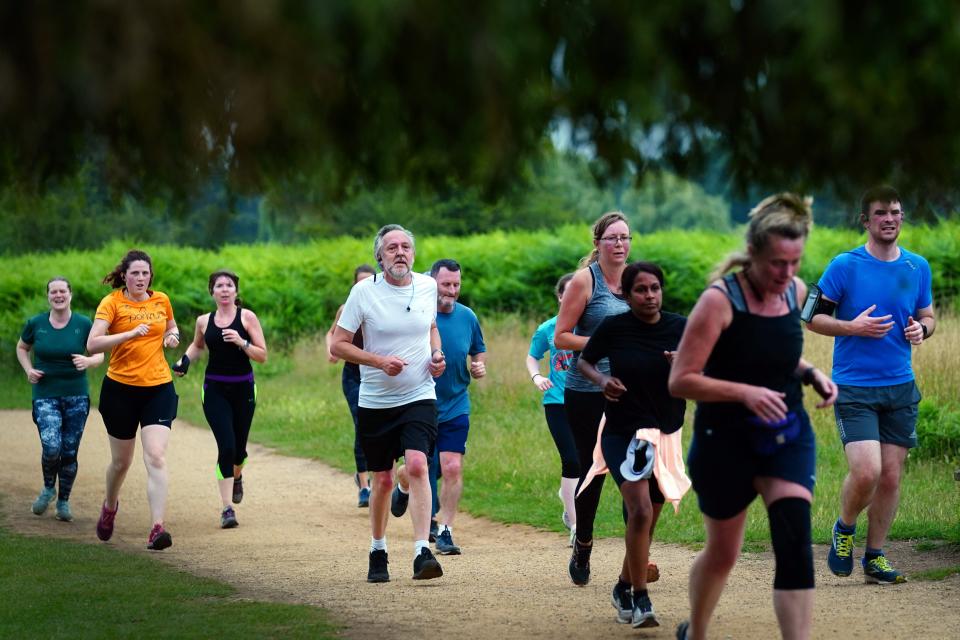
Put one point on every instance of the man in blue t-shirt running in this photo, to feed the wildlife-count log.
(882, 297)
(462, 339)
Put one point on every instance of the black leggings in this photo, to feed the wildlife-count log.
(584, 410)
(563, 438)
(229, 408)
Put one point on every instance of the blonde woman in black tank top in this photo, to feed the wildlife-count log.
(592, 295)
(751, 434)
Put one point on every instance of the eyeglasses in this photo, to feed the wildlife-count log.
(616, 239)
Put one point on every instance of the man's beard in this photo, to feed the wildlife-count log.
(398, 270)
(446, 303)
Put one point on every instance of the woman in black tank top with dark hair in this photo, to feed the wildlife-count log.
(234, 337)
(350, 385)
(740, 359)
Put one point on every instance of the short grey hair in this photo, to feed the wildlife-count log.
(384, 230)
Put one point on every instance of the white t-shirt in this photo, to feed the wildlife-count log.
(396, 322)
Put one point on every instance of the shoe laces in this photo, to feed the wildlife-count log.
(107, 516)
(880, 563)
(844, 544)
(156, 531)
(581, 553)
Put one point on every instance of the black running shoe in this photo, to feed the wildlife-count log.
(445, 545)
(434, 528)
(643, 614)
(623, 603)
(398, 502)
(580, 563)
(237, 490)
(425, 566)
(682, 629)
(378, 567)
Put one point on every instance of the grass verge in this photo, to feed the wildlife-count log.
(60, 589)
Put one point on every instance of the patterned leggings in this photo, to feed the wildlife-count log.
(60, 422)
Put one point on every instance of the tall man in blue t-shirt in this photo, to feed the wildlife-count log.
(882, 297)
(462, 339)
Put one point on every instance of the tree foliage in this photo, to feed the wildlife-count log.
(795, 94)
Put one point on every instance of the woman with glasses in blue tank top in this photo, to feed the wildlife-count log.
(741, 359)
(592, 295)
(234, 337)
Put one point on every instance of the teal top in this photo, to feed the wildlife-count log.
(53, 351)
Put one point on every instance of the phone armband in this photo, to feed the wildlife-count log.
(816, 304)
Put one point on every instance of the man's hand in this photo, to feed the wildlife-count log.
(391, 365)
(438, 363)
(478, 369)
(866, 326)
(913, 332)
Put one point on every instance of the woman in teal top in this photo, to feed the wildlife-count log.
(61, 398)
(552, 386)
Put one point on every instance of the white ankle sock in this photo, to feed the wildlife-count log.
(378, 544)
(418, 545)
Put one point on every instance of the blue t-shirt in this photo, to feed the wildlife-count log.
(856, 280)
(559, 360)
(461, 337)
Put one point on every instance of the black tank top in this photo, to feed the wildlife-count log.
(349, 368)
(226, 359)
(756, 350)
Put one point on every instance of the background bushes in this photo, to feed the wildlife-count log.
(296, 289)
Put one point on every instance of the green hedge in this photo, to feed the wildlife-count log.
(296, 289)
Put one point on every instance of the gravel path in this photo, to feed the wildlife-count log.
(302, 539)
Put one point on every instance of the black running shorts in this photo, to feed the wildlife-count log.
(385, 434)
(125, 407)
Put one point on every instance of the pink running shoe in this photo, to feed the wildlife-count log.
(105, 523)
(159, 538)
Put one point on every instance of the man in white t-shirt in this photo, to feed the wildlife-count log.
(397, 415)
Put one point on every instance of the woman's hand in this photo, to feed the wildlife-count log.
(542, 382)
(231, 336)
(766, 404)
(612, 388)
(139, 331)
(82, 362)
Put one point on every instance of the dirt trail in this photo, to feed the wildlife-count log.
(302, 539)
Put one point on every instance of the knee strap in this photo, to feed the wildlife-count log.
(790, 534)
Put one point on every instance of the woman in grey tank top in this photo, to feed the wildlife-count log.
(592, 295)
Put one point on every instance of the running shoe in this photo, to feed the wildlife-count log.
(159, 538)
(105, 523)
(363, 498)
(653, 572)
(623, 602)
(445, 546)
(840, 556)
(434, 528)
(573, 536)
(228, 518)
(237, 490)
(63, 511)
(378, 566)
(580, 563)
(43, 500)
(880, 571)
(425, 566)
(643, 614)
(564, 517)
(398, 501)
(682, 629)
